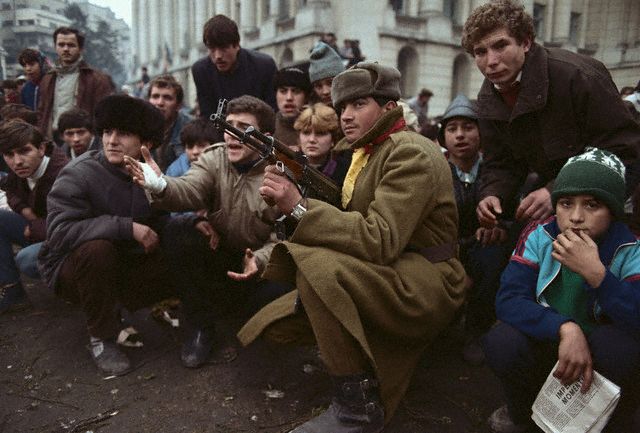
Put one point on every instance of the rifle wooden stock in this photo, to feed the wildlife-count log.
(312, 182)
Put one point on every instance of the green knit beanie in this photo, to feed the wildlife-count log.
(596, 172)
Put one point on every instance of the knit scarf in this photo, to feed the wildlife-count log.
(68, 69)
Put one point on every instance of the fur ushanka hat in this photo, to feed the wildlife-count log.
(129, 114)
(366, 79)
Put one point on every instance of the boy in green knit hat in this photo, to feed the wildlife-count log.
(571, 294)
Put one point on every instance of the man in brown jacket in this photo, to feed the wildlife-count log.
(379, 279)
(538, 106)
(71, 83)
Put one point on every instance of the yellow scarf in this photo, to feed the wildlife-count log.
(358, 161)
(361, 157)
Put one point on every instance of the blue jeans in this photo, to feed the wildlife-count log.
(27, 260)
(523, 363)
(12, 227)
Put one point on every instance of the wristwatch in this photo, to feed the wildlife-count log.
(298, 210)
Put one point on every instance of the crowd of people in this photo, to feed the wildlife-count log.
(513, 220)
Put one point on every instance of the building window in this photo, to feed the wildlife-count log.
(45, 8)
(266, 9)
(7, 23)
(21, 6)
(26, 22)
(398, 6)
(449, 10)
(538, 20)
(6, 6)
(284, 9)
(574, 28)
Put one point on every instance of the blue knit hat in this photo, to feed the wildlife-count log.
(325, 63)
(595, 172)
(461, 106)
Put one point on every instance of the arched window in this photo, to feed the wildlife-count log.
(286, 58)
(408, 67)
(461, 76)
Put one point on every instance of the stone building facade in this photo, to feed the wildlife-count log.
(420, 37)
(31, 23)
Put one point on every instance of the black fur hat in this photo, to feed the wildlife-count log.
(295, 76)
(130, 114)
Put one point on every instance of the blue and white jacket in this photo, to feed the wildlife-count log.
(520, 301)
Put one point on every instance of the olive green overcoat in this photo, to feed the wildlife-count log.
(393, 302)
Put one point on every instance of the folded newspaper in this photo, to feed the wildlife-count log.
(564, 409)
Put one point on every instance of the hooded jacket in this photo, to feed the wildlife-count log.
(521, 299)
(566, 102)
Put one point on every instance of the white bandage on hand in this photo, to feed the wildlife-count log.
(152, 182)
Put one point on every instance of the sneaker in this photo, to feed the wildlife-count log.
(500, 422)
(108, 358)
(12, 297)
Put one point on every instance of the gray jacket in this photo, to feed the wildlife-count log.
(91, 199)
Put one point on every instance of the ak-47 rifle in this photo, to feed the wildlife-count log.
(311, 182)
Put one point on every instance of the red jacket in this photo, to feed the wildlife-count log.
(93, 85)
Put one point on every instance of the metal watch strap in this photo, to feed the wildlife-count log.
(298, 210)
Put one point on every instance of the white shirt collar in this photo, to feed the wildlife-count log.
(515, 82)
(33, 179)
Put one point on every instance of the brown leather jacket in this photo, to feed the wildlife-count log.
(93, 85)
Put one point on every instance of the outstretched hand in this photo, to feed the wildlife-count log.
(250, 267)
(136, 170)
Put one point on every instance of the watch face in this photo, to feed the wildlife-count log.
(297, 212)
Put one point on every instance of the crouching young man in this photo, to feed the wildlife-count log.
(377, 281)
(32, 173)
(217, 259)
(571, 294)
(101, 250)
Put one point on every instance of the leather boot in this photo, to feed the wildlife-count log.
(355, 408)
